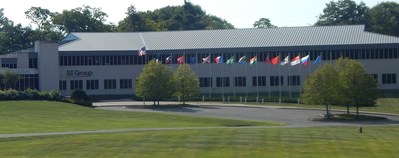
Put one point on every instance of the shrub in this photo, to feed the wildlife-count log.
(80, 97)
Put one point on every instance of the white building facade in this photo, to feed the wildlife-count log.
(108, 63)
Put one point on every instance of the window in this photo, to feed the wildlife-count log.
(222, 82)
(109, 84)
(375, 77)
(91, 84)
(125, 84)
(274, 80)
(240, 81)
(388, 78)
(205, 81)
(63, 85)
(10, 66)
(76, 84)
(259, 81)
(294, 80)
(32, 62)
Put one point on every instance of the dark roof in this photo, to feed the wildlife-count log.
(233, 38)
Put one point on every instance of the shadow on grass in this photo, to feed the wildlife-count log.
(172, 108)
(350, 118)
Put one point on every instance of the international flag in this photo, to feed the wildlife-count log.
(219, 59)
(168, 59)
(318, 60)
(276, 60)
(230, 61)
(286, 60)
(192, 60)
(253, 60)
(305, 60)
(267, 60)
(242, 60)
(206, 60)
(296, 60)
(180, 60)
(142, 51)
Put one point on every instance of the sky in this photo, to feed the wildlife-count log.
(240, 13)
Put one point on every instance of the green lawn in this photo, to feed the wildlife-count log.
(46, 116)
(384, 105)
(376, 141)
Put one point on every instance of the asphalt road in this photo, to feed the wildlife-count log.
(292, 117)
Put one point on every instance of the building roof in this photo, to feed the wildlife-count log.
(232, 38)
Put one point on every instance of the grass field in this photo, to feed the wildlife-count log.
(276, 142)
(384, 105)
(46, 116)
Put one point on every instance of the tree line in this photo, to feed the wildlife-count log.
(53, 26)
(382, 18)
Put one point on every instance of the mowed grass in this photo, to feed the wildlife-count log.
(375, 141)
(384, 105)
(47, 116)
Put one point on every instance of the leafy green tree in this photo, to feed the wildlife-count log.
(82, 19)
(384, 18)
(344, 12)
(321, 87)
(155, 82)
(10, 79)
(263, 23)
(45, 29)
(187, 83)
(357, 88)
(14, 37)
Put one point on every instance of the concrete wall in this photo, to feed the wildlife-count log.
(48, 65)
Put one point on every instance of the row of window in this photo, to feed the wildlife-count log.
(10, 66)
(260, 81)
(94, 84)
(25, 81)
(257, 81)
(388, 53)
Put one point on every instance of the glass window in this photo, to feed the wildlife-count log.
(110, 84)
(125, 84)
(205, 81)
(240, 81)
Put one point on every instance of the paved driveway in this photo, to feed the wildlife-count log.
(293, 117)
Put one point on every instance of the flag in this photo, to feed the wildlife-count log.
(242, 60)
(206, 60)
(192, 60)
(276, 60)
(230, 61)
(267, 60)
(219, 59)
(318, 60)
(180, 60)
(286, 60)
(296, 60)
(168, 59)
(142, 51)
(253, 60)
(305, 60)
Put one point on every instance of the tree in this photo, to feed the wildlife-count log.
(187, 84)
(46, 30)
(86, 19)
(343, 12)
(155, 82)
(263, 23)
(38, 15)
(357, 88)
(10, 79)
(384, 18)
(321, 87)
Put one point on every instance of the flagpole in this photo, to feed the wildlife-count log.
(289, 77)
(279, 81)
(257, 82)
(268, 73)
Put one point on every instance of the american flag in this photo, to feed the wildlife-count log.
(142, 51)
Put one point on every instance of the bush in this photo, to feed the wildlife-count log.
(80, 97)
(29, 94)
